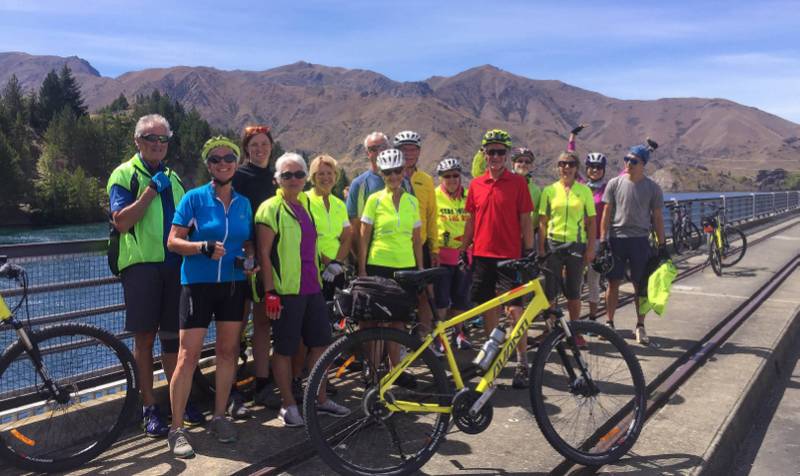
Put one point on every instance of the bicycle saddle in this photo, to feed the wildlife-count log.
(418, 278)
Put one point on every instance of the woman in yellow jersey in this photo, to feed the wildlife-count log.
(452, 290)
(330, 217)
(567, 215)
(390, 234)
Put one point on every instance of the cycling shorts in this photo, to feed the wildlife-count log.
(303, 317)
(572, 280)
(488, 281)
(152, 292)
(452, 289)
(633, 252)
(202, 302)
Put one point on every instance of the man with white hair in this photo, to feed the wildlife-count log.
(143, 194)
(365, 184)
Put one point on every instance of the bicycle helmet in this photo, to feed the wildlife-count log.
(390, 159)
(218, 141)
(447, 165)
(407, 137)
(595, 159)
(496, 136)
(518, 152)
(603, 262)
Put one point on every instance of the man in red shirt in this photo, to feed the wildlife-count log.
(499, 227)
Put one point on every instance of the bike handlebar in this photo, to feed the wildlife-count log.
(532, 258)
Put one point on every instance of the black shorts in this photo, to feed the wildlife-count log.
(452, 290)
(426, 256)
(223, 302)
(302, 317)
(633, 252)
(488, 281)
(572, 262)
(152, 292)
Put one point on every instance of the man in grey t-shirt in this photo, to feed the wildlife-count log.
(634, 202)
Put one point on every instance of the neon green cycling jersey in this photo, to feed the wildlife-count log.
(329, 222)
(5, 312)
(566, 211)
(393, 229)
(452, 218)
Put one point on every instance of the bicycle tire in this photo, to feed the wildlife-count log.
(554, 391)
(734, 246)
(695, 237)
(714, 255)
(48, 436)
(376, 452)
(678, 239)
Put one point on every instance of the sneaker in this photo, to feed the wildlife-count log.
(223, 429)
(236, 408)
(462, 343)
(268, 397)
(155, 426)
(329, 407)
(297, 389)
(178, 443)
(520, 379)
(290, 417)
(580, 342)
(406, 380)
(641, 335)
(192, 416)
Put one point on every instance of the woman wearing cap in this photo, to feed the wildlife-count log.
(567, 215)
(290, 264)
(255, 179)
(391, 238)
(214, 286)
(452, 290)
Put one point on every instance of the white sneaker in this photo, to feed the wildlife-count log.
(641, 335)
(329, 407)
(291, 417)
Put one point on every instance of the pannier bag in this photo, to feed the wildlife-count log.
(374, 298)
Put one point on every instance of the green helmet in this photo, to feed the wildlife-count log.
(496, 136)
(218, 141)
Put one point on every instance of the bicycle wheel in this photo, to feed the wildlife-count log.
(714, 256)
(373, 440)
(95, 372)
(693, 236)
(678, 240)
(734, 246)
(579, 416)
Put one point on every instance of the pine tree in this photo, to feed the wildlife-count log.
(13, 100)
(71, 92)
(51, 99)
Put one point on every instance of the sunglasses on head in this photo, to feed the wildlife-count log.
(153, 138)
(256, 130)
(567, 163)
(376, 148)
(288, 175)
(395, 171)
(631, 160)
(228, 159)
(497, 152)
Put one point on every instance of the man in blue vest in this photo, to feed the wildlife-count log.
(143, 193)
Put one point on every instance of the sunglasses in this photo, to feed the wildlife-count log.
(526, 162)
(497, 152)
(451, 176)
(228, 159)
(631, 160)
(376, 148)
(567, 163)
(395, 171)
(288, 175)
(595, 167)
(256, 130)
(153, 138)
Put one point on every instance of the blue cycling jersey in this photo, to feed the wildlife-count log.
(205, 214)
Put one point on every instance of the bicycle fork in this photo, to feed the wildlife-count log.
(36, 356)
(576, 380)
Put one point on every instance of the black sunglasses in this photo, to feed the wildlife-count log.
(631, 160)
(395, 171)
(567, 163)
(497, 152)
(228, 159)
(288, 175)
(153, 138)
(595, 167)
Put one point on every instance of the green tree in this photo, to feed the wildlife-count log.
(13, 179)
(51, 100)
(71, 92)
(13, 98)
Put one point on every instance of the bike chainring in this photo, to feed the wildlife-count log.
(471, 424)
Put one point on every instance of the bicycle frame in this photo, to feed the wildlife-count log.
(538, 304)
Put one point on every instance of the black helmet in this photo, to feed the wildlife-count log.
(603, 262)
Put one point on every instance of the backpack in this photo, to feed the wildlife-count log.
(112, 253)
(374, 298)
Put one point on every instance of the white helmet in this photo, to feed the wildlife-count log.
(447, 165)
(407, 137)
(390, 159)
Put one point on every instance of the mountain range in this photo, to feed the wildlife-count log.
(314, 108)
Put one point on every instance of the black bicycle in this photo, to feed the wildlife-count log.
(685, 234)
(66, 391)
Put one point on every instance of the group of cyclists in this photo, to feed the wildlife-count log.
(271, 240)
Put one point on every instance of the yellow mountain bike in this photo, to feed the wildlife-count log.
(589, 402)
(726, 244)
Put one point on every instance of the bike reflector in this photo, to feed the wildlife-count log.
(16, 434)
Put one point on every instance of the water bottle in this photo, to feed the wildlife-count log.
(489, 350)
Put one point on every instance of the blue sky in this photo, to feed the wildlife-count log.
(748, 52)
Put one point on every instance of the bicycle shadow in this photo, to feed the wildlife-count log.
(667, 464)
